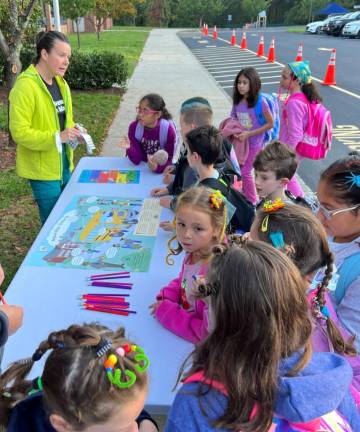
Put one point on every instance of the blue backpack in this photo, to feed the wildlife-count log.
(348, 272)
(272, 101)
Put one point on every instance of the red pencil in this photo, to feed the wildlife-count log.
(110, 311)
(110, 274)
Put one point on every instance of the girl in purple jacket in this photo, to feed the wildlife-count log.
(200, 221)
(296, 80)
(152, 136)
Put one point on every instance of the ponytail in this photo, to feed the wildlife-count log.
(311, 93)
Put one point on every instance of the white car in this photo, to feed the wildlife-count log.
(314, 27)
(352, 29)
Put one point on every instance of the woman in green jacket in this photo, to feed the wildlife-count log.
(41, 121)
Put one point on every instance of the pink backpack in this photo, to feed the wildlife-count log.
(331, 422)
(317, 138)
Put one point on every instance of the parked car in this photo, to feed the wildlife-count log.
(336, 26)
(323, 26)
(326, 27)
(352, 29)
(313, 26)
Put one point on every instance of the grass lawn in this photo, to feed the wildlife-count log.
(300, 29)
(95, 110)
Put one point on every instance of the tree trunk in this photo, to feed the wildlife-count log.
(77, 31)
(12, 66)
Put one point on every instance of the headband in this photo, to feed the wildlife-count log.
(301, 70)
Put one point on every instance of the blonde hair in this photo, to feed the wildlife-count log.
(201, 198)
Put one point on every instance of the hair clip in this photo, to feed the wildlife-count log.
(272, 206)
(353, 180)
(277, 239)
(114, 375)
(103, 347)
(216, 200)
(36, 386)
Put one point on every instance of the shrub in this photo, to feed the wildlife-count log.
(96, 70)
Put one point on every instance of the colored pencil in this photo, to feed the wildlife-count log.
(106, 305)
(106, 301)
(125, 312)
(108, 277)
(111, 285)
(2, 298)
(105, 296)
(110, 274)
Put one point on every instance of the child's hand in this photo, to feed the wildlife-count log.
(169, 170)
(158, 192)
(15, 316)
(151, 163)
(168, 178)
(124, 143)
(167, 226)
(165, 201)
(154, 307)
(243, 136)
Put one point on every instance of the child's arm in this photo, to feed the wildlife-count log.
(134, 152)
(171, 291)
(169, 148)
(297, 114)
(190, 325)
(268, 125)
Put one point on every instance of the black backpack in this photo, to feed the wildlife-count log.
(245, 211)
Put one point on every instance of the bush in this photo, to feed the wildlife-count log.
(86, 70)
(96, 70)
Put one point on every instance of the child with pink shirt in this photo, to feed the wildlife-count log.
(200, 221)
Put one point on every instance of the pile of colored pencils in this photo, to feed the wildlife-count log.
(116, 304)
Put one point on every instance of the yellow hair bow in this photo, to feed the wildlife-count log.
(216, 200)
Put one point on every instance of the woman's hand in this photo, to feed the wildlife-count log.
(69, 134)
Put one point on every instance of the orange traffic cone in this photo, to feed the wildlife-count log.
(203, 29)
(260, 51)
(215, 33)
(330, 70)
(243, 41)
(271, 53)
(299, 55)
(233, 38)
(206, 30)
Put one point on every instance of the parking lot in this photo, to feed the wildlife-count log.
(223, 61)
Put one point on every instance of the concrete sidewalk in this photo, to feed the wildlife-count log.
(167, 67)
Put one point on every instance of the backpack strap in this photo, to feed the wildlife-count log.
(348, 272)
(139, 131)
(216, 184)
(164, 128)
(200, 377)
(258, 110)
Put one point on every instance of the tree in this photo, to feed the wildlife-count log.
(111, 9)
(251, 8)
(158, 13)
(15, 18)
(74, 10)
(188, 13)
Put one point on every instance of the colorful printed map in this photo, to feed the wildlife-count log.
(102, 233)
(110, 176)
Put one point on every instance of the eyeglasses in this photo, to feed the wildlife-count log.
(145, 111)
(328, 214)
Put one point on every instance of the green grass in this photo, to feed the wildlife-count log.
(129, 43)
(296, 29)
(3, 117)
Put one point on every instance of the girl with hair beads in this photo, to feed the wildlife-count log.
(339, 212)
(94, 379)
(255, 372)
(152, 136)
(200, 221)
(246, 94)
(297, 232)
(296, 80)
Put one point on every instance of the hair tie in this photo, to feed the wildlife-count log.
(273, 206)
(37, 386)
(216, 200)
(37, 355)
(103, 347)
(353, 180)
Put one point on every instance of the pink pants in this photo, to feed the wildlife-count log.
(294, 185)
(248, 182)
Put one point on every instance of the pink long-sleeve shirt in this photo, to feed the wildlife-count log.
(294, 119)
(186, 317)
(150, 144)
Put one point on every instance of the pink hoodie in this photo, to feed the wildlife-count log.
(172, 312)
(294, 118)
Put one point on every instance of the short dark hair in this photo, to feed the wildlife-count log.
(197, 111)
(277, 157)
(46, 40)
(157, 103)
(255, 86)
(207, 142)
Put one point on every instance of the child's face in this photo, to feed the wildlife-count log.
(344, 226)
(267, 184)
(146, 115)
(122, 420)
(194, 229)
(185, 127)
(243, 85)
(286, 81)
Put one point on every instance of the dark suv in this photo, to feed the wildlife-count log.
(335, 26)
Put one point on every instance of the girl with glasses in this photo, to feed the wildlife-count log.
(152, 136)
(339, 212)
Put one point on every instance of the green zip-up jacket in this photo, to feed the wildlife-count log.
(34, 124)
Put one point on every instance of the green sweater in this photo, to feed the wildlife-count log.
(34, 123)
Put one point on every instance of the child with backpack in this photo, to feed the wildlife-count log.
(339, 212)
(152, 136)
(298, 233)
(247, 102)
(200, 221)
(94, 379)
(305, 124)
(256, 371)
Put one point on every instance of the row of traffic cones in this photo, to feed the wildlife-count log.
(329, 78)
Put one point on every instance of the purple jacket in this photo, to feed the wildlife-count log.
(191, 325)
(294, 118)
(150, 144)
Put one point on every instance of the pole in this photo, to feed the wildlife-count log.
(310, 12)
(56, 15)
